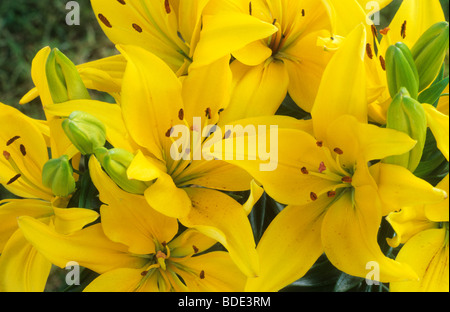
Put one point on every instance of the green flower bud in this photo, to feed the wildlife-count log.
(63, 79)
(57, 174)
(407, 115)
(85, 131)
(401, 70)
(116, 162)
(429, 53)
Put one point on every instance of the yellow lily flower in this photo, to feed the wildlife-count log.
(423, 231)
(171, 30)
(288, 61)
(24, 156)
(335, 200)
(135, 248)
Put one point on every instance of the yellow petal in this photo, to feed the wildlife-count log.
(259, 91)
(220, 274)
(220, 217)
(38, 74)
(256, 191)
(290, 246)
(398, 188)
(227, 32)
(342, 90)
(22, 267)
(357, 139)
(349, 237)
(127, 218)
(253, 53)
(89, 247)
(151, 99)
(439, 212)
(69, 220)
(118, 280)
(408, 222)
(190, 242)
(427, 253)
(11, 209)
(439, 126)
(345, 15)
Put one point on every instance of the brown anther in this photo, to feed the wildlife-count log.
(220, 110)
(208, 113)
(169, 132)
(331, 193)
(143, 273)
(274, 21)
(313, 196)
(369, 51)
(22, 149)
(227, 134)
(202, 274)
(104, 20)
(181, 114)
(338, 151)
(347, 179)
(322, 167)
(319, 143)
(195, 248)
(304, 170)
(167, 6)
(160, 254)
(383, 63)
(137, 28)
(374, 31)
(164, 244)
(121, 2)
(14, 178)
(250, 8)
(385, 31)
(10, 141)
(303, 12)
(6, 154)
(403, 30)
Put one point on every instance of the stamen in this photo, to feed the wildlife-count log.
(322, 167)
(121, 2)
(167, 6)
(104, 20)
(181, 114)
(250, 8)
(338, 151)
(10, 141)
(385, 31)
(347, 179)
(303, 12)
(227, 134)
(304, 170)
(14, 178)
(169, 132)
(23, 150)
(331, 193)
(7, 155)
(202, 274)
(208, 113)
(403, 30)
(144, 273)
(221, 110)
(369, 51)
(137, 27)
(374, 31)
(195, 248)
(313, 196)
(319, 143)
(383, 63)
(274, 21)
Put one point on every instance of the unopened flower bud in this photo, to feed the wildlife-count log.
(407, 115)
(57, 174)
(63, 79)
(401, 70)
(115, 162)
(429, 53)
(85, 131)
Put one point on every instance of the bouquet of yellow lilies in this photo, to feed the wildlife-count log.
(251, 145)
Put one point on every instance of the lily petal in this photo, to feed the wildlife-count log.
(439, 212)
(89, 247)
(427, 253)
(439, 126)
(117, 280)
(220, 217)
(342, 90)
(290, 246)
(350, 228)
